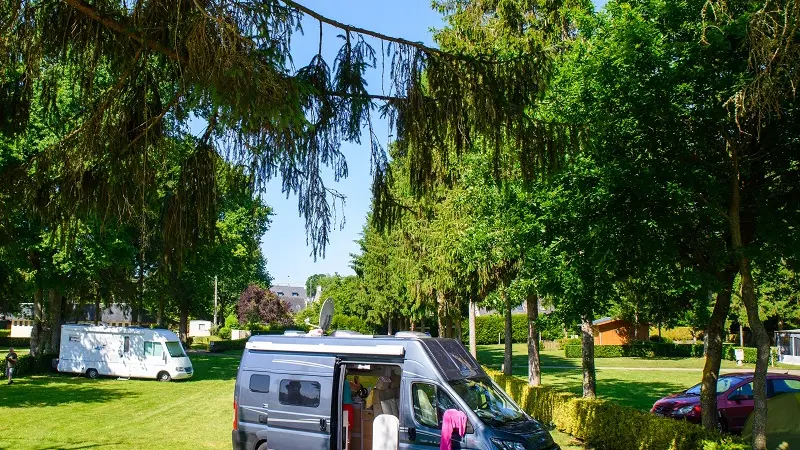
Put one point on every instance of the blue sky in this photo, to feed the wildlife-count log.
(289, 259)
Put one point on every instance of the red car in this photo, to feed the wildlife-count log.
(734, 399)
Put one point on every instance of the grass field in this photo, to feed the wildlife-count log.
(635, 388)
(68, 412)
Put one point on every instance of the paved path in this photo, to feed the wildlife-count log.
(674, 369)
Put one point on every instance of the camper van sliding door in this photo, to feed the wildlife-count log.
(298, 404)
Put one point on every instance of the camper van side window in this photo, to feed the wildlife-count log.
(127, 345)
(299, 393)
(429, 404)
(259, 383)
(153, 349)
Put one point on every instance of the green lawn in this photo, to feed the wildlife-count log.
(68, 412)
(638, 389)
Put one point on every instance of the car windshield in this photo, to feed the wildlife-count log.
(175, 350)
(723, 384)
(488, 401)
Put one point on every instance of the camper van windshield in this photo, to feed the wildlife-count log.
(174, 349)
(491, 405)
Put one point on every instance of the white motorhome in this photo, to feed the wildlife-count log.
(122, 352)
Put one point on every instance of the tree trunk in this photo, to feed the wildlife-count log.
(184, 320)
(507, 355)
(54, 319)
(587, 351)
(473, 343)
(762, 362)
(714, 333)
(440, 313)
(459, 332)
(389, 326)
(36, 331)
(449, 326)
(534, 371)
(160, 314)
(751, 306)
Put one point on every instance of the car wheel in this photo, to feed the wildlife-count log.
(164, 376)
(92, 373)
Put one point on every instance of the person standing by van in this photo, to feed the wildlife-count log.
(11, 363)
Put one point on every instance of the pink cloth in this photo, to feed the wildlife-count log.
(453, 419)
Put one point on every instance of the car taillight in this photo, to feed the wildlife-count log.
(696, 410)
(235, 416)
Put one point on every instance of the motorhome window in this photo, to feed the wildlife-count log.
(259, 383)
(430, 403)
(127, 345)
(489, 404)
(175, 350)
(153, 349)
(299, 393)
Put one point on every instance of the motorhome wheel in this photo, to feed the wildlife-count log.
(164, 376)
(91, 373)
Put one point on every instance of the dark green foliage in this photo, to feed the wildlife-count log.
(352, 323)
(606, 425)
(221, 346)
(17, 342)
(659, 350)
(29, 365)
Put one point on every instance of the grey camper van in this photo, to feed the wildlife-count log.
(291, 392)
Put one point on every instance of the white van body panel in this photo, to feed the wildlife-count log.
(103, 348)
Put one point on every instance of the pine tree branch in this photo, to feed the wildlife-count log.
(364, 31)
(119, 27)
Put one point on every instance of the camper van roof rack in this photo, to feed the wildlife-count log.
(386, 350)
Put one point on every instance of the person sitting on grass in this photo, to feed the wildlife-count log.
(11, 362)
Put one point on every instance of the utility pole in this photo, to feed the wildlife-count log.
(215, 300)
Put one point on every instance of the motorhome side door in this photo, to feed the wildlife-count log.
(296, 412)
(155, 357)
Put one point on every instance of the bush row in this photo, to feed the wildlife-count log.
(489, 327)
(606, 425)
(655, 349)
(5, 332)
(29, 365)
(18, 342)
(221, 346)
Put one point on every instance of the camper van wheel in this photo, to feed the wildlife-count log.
(263, 446)
(91, 373)
(164, 376)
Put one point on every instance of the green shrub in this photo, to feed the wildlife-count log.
(4, 333)
(660, 350)
(17, 342)
(204, 340)
(750, 353)
(221, 346)
(678, 334)
(488, 328)
(231, 322)
(606, 425)
(352, 323)
(224, 333)
(28, 365)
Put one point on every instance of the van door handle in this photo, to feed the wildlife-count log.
(323, 425)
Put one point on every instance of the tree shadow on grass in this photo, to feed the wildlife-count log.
(56, 390)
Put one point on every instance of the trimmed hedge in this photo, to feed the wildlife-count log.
(488, 328)
(655, 349)
(221, 346)
(606, 425)
(18, 342)
(4, 333)
(28, 365)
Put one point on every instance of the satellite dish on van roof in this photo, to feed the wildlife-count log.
(326, 314)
